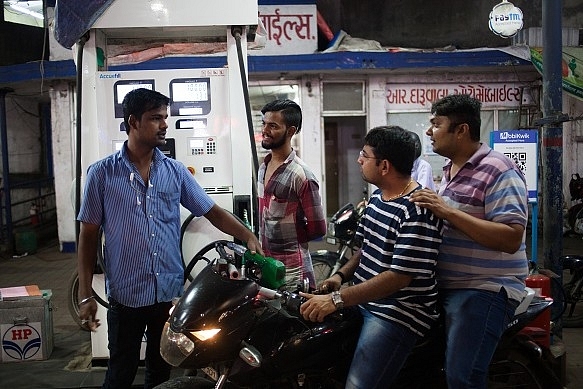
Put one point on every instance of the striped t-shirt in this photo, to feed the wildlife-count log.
(399, 236)
(490, 187)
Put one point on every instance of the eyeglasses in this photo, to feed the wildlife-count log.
(435, 126)
(363, 155)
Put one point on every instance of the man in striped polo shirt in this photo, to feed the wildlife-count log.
(393, 272)
(482, 261)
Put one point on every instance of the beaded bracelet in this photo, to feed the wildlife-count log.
(85, 300)
(341, 276)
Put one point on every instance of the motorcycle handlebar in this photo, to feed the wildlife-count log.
(291, 301)
(269, 293)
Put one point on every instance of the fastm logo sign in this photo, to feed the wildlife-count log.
(507, 17)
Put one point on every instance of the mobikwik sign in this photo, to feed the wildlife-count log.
(514, 136)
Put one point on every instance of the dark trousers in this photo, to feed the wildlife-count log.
(126, 328)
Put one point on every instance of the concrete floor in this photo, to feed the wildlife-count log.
(70, 363)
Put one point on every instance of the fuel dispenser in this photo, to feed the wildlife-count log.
(207, 114)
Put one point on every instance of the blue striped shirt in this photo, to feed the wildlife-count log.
(490, 187)
(399, 236)
(141, 224)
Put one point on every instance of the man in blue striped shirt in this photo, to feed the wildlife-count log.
(482, 262)
(135, 195)
(393, 272)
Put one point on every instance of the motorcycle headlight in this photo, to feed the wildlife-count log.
(205, 334)
(175, 347)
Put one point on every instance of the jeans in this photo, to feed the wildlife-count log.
(383, 347)
(126, 327)
(474, 322)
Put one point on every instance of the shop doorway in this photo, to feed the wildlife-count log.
(343, 139)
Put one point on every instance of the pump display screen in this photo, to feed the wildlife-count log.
(121, 89)
(190, 91)
(190, 96)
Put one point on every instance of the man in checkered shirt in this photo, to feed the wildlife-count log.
(290, 207)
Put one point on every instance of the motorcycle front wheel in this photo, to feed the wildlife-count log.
(573, 315)
(73, 289)
(323, 262)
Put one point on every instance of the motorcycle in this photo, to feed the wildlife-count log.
(241, 331)
(341, 231)
(233, 328)
(573, 293)
(575, 212)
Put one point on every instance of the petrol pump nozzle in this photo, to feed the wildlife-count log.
(272, 270)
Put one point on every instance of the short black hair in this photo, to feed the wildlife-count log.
(394, 144)
(460, 109)
(141, 100)
(290, 111)
(417, 142)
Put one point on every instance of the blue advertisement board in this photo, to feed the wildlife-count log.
(522, 147)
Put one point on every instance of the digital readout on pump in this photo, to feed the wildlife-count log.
(187, 124)
(121, 89)
(190, 96)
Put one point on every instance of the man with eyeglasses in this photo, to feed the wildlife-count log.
(482, 263)
(393, 271)
(135, 195)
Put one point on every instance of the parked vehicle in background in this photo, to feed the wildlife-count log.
(573, 290)
(341, 232)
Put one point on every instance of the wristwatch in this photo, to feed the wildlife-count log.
(337, 300)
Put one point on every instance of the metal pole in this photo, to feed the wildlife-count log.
(6, 168)
(552, 139)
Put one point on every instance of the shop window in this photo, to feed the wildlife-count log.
(508, 119)
(343, 97)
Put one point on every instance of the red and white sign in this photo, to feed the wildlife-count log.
(421, 96)
(289, 29)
